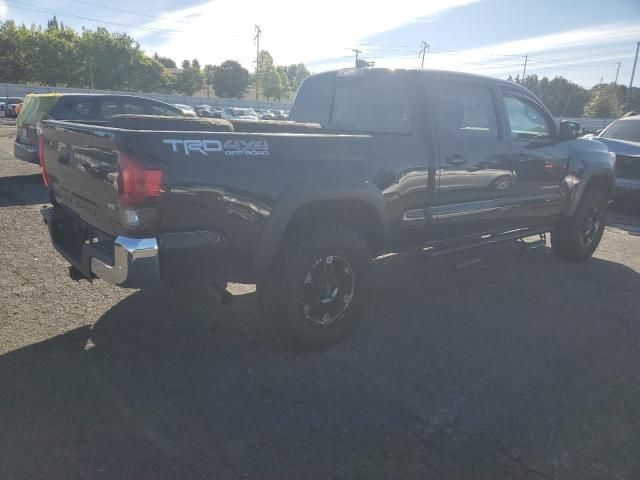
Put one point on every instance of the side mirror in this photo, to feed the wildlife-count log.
(569, 130)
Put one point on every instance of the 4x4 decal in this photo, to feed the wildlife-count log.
(229, 147)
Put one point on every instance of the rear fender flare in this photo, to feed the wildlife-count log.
(302, 195)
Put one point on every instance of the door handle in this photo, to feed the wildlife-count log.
(522, 158)
(456, 159)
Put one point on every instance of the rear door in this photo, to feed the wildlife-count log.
(475, 172)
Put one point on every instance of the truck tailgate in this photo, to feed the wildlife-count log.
(81, 164)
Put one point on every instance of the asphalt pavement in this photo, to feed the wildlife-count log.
(518, 367)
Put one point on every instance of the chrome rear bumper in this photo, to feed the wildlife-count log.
(135, 263)
(124, 261)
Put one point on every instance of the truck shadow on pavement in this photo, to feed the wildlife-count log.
(513, 368)
(22, 190)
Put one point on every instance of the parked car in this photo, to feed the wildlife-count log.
(303, 215)
(11, 104)
(85, 108)
(187, 110)
(242, 113)
(622, 137)
(204, 111)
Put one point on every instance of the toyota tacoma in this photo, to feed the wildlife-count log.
(371, 161)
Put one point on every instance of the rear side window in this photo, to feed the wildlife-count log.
(132, 108)
(109, 108)
(159, 109)
(82, 109)
(466, 110)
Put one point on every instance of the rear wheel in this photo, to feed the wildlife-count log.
(322, 287)
(577, 238)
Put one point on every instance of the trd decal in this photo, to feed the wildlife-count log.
(229, 147)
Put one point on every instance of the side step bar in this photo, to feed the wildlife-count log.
(431, 251)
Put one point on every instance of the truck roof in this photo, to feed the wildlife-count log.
(345, 72)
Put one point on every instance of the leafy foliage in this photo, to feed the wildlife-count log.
(60, 56)
(567, 99)
(279, 81)
(230, 79)
(604, 102)
(190, 79)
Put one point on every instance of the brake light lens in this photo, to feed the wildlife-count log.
(45, 177)
(135, 183)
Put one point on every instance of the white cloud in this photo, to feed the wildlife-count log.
(3, 10)
(563, 50)
(293, 31)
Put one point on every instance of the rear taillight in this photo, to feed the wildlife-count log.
(45, 177)
(137, 184)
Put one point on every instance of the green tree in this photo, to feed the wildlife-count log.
(273, 81)
(165, 61)
(295, 74)
(230, 80)
(604, 102)
(57, 56)
(18, 48)
(190, 79)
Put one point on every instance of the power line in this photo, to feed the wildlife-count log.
(38, 9)
(129, 12)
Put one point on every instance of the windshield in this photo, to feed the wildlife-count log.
(624, 129)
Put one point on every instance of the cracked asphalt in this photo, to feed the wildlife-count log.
(519, 367)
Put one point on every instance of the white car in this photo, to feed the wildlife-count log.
(244, 113)
(186, 109)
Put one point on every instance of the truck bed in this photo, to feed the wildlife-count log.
(223, 182)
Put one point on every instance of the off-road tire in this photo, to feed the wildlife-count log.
(568, 239)
(280, 296)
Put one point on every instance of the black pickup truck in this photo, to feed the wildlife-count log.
(373, 161)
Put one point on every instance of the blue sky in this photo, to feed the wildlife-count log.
(581, 40)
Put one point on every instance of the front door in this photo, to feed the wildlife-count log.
(540, 160)
(475, 173)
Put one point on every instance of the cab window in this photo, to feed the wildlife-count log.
(527, 121)
(346, 100)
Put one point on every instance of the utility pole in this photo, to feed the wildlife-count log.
(357, 52)
(524, 71)
(91, 72)
(257, 40)
(423, 51)
(633, 71)
(617, 72)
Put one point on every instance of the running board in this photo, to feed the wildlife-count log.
(431, 251)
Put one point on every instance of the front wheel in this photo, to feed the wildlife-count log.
(577, 238)
(323, 287)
